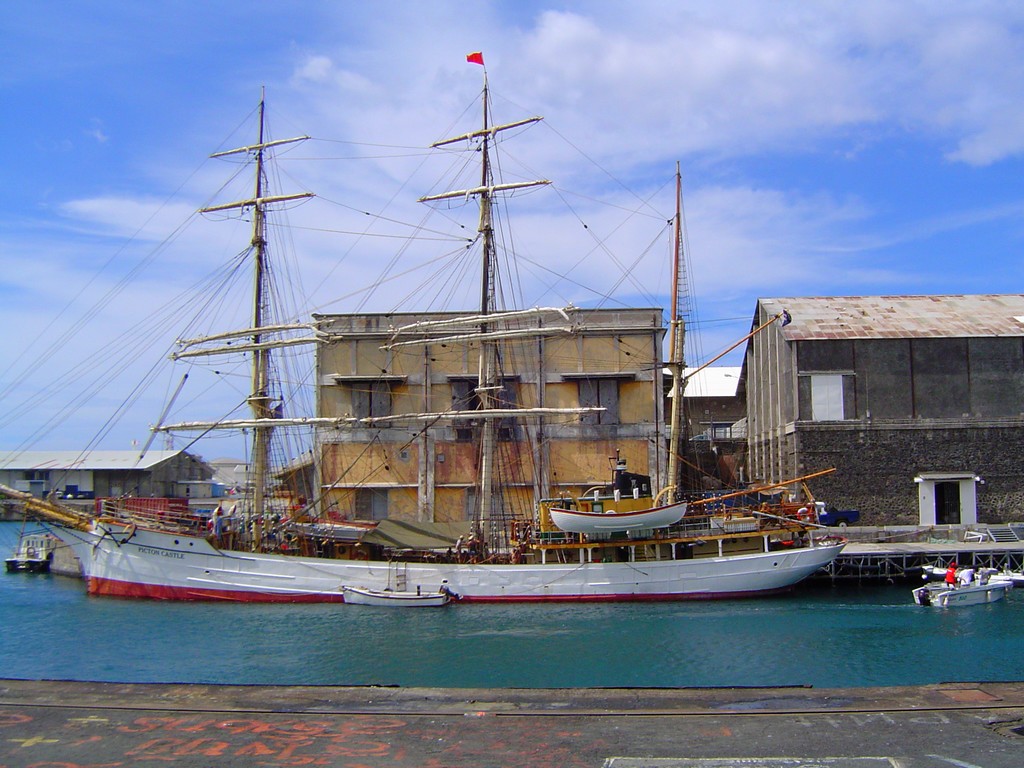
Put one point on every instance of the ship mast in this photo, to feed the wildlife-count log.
(487, 383)
(259, 399)
(676, 333)
(486, 378)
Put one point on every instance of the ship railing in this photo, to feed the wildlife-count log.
(556, 537)
(690, 527)
(165, 518)
(735, 523)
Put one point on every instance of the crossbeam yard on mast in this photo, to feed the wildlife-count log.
(258, 147)
(488, 132)
(371, 421)
(478, 336)
(256, 201)
(488, 190)
(184, 345)
(424, 325)
(250, 347)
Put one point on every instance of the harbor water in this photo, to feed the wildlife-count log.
(847, 635)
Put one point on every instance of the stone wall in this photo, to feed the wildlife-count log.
(876, 465)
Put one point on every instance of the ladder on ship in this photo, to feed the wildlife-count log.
(398, 576)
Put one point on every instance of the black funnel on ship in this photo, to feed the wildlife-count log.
(626, 482)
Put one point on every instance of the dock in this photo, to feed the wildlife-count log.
(900, 553)
(899, 561)
(954, 725)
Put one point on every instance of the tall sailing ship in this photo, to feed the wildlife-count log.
(614, 540)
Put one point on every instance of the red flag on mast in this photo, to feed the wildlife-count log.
(475, 58)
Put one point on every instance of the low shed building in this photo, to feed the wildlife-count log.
(98, 474)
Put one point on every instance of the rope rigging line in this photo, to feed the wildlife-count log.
(122, 352)
(605, 171)
(417, 228)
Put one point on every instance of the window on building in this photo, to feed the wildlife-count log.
(721, 430)
(465, 398)
(464, 395)
(371, 399)
(371, 503)
(600, 393)
(827, 397)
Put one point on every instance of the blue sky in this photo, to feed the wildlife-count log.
(826, 148)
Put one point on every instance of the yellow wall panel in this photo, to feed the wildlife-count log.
(591, 462)
(636, 406)
(356, 464)
(455, 463)
(403, 504)
(449, 505)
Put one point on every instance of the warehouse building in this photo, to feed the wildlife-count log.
(101, 474)
(918, 401)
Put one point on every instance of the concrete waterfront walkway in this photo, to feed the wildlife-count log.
(52, 724)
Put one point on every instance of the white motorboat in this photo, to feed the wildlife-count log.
(938, 573)
(395, 598)
(1016, 577)
(34, 554)
(988, 588)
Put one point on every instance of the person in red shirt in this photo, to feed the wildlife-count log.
(951, 576)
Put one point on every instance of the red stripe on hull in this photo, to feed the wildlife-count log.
(112, 588)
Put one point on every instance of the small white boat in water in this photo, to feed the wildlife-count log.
(578, 521)
(34, 554)
(938, 573)
(389, 597)
(990, 587)
(1016, 577)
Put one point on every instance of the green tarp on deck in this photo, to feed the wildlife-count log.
(401, 534)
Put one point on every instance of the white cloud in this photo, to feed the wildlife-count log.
(97, 133)
(127, 217)
(752, 97)
(319, 70)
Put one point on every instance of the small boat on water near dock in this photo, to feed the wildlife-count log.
(988, 588)
(394, 598)
(938, 573)
(33, 555)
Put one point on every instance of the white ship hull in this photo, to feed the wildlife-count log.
(127, 562)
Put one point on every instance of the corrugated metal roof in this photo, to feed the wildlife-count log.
(900, 317)
(715, 381)
(89, 460)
